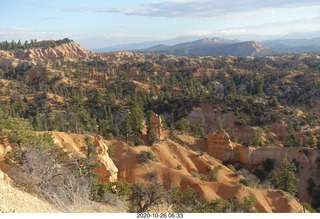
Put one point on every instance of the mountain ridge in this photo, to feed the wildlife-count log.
(280, 45)
(213, 46)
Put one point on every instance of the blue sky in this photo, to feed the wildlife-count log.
(99, 23)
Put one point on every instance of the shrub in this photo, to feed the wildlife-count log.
(109, 136)
(248, 179)
(99, 190)
(154, 137)
(181, 125)
(146, 156)
(308, 207)
(138, 142)
(114, 200)
(274, 102)
(182, 200)
(145, 196)
(203, 177)
(42, 172)
(154, 176)
(232, 205)
(214, 173)
(232, 168)
(179, 167)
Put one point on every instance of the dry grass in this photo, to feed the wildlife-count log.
(41, 173)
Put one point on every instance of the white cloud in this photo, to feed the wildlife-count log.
(203, 9)
(310, 24)
(14, 33)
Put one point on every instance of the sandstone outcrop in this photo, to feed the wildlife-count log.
(108, 171)
(220, 146)
(74, 142)
(155, 127)
(68, 51)
(134, 74)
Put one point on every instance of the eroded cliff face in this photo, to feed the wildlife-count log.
(220, 146)
(69, 51)
(108, 171)
(73, 142)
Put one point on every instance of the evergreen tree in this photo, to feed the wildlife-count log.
(182, 124)
(125, 128)
(36, 124)
(163, 122)
(136, 118)
(291, 137)
(219, 124)
(274, 102)
(310, 142)
(285, 177)
(88, 163)
(148, 122)
(26, 45)
(256, 137)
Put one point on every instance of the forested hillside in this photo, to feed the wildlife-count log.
(260, 102)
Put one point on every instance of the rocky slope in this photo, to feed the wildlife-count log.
(14, 200)
(68, 51)
(171, 154)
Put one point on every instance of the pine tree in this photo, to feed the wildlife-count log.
(219, 124)
(310, 140)
(291, 137)
(26, 45)
(285, 177)
(136, 118)
(274, 102)
(256, 137)
(36, 124)
(125, 128)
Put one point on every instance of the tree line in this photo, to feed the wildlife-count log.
(13, 45)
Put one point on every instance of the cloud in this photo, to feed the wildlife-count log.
(281, 27)
(203, 9)
(14, 33)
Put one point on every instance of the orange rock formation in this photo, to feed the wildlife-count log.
(221, 147)
(155, 127)
(108, 171)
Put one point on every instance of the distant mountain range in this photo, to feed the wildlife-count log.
(221, 46)
(294, 45)
(215, 46)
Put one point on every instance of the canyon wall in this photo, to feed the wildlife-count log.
(220, 146)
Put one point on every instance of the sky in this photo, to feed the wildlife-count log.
(101, 23)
